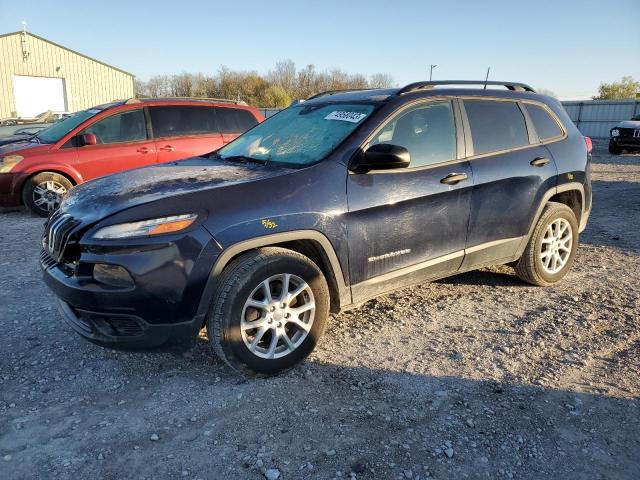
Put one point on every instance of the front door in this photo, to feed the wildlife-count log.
(122, 145)
(410, 224)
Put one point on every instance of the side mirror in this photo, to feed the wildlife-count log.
(384, 156)
(88, 139)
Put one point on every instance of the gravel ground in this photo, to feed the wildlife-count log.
(475, 376)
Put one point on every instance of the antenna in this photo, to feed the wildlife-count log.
(486, 79)
(431, 71)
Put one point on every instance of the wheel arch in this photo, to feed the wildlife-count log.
(71, 176)
(310, 243)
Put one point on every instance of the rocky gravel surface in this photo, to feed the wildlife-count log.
(475, 376)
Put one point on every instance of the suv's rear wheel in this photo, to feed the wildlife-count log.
(614, 148)
(551, 248)
(269, 311)
(43, 192)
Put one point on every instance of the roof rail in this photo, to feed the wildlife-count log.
(414, 87)
(333, 92)
(200, 99)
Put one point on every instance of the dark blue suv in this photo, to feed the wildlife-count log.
(331, 202)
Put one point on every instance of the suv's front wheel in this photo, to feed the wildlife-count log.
(269, 311)
(551, 248)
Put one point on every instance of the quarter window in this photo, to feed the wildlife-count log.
(427, 131)
(546, 127)
(181, 121)
(122, 127)
(235, 120)
(496, 125)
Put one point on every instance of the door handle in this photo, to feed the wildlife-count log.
(454, 178)
(167, 148)
(539, 161)
(143, 150)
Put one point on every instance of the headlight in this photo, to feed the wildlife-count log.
(615, 132)
(8, 162)
(145, 228)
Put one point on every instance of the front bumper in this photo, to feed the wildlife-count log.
(10, 188)
(160, 307)
(627, 141)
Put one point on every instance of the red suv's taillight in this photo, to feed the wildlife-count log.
(589, 143)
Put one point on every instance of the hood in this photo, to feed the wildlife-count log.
(99, 198)
(22, 146)
(628, 124)
(14, 138)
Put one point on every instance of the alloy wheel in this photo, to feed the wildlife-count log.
(47, 195)
(277, 316)
(556, 246)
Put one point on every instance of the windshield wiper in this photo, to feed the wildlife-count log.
(34, 138)
(241, 158)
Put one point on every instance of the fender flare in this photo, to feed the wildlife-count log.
(344, 292)
(565, 187)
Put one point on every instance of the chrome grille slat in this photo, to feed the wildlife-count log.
(59, 228)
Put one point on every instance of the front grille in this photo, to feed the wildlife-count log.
(113, 325)
(46, 259)
(629, 132)
(57, 232)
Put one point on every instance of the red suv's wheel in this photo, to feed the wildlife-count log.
(43, 192)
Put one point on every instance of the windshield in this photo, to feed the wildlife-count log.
(299, 135)
(59, 129)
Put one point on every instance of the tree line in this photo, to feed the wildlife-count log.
(278, 88)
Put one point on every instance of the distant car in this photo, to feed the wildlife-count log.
(39, 169)
(625, 136)
(44, 117)
(323, 206)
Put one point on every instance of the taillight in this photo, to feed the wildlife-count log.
(589, 143)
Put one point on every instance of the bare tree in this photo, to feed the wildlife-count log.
(381, 80)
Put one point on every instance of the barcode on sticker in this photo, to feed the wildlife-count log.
(353, 117)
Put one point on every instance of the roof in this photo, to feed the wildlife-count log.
(448, 88)
(68, 49)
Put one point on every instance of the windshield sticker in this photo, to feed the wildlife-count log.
(353, 117)
(94, 111)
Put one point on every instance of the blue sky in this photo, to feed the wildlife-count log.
(568, 47)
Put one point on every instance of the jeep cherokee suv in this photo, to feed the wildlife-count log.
(321, 207)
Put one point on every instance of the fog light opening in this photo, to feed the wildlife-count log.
(112, 275)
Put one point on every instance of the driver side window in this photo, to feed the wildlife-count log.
(122, 127)
(427, 131)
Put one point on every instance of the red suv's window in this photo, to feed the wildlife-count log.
(180, 121)
(233, 120)
(122, 127)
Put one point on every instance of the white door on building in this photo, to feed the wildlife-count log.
(35, 95)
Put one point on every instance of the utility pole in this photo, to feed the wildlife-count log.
(431, 67)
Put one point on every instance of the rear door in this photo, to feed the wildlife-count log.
(511, 172)
(123, 144)
(233, 122)
(183, 131)
(409, 224)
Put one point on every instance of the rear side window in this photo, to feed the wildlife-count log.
(122, 127)
(233, 120)
(495, 125)
(546, 127)
(180, 121)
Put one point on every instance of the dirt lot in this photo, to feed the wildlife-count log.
(476, 376)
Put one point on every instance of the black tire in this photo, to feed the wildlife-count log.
(530, 267)
(237, 283)
(614, 148)
(29, 193)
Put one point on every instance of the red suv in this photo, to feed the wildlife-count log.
(114, 137)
